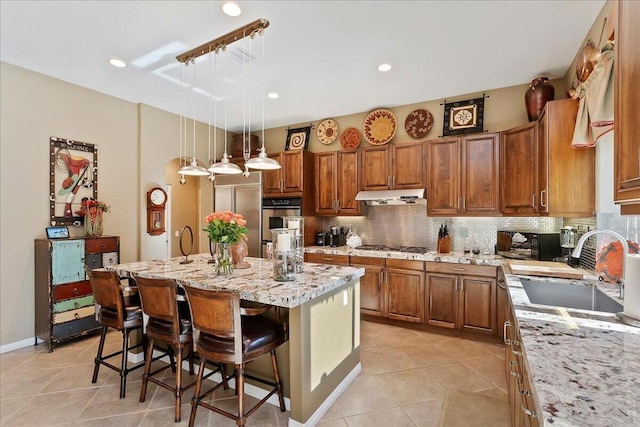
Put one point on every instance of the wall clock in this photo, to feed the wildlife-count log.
(156, 211)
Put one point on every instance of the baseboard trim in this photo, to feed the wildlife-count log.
(330, 400)
(18, 345)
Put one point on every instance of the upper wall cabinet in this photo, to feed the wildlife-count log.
(519, 170)
(336, 182)
(627, 113)
(395, 166)
(463, 175)
(293, 179)
(566, 175)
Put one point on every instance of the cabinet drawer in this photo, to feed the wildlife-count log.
(100, 245)
(93, 261)
(464, 269)
(109, 258)
(74, 314)
(405, 264)
(72, 304)
(365, 260)
(75, 327)
(328, 259)
(71, 290)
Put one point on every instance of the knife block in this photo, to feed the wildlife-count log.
(444, 245)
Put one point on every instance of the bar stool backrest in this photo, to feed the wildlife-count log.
(159, 300)
(107, 293)
(217, 314)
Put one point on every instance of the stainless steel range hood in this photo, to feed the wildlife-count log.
(393, 197)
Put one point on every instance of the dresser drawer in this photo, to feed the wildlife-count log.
(75, 327)
(328, 259)
(109, 258)
(93, 261)
(74, 314)
(72, 304)
(101, 245)
(71, 290)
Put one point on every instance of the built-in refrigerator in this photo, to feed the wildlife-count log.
(244, 196)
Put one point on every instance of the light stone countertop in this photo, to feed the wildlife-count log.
(585, 366)
(453, 257)
(254, 284)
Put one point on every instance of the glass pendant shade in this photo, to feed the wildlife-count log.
(262, 162)
(225, 167)
(193, 169)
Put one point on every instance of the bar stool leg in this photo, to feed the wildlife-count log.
(240, 391)
(178, 390)
(276, 375)
(196, 394)
(147, 369)
(103, 336)
(123, 365)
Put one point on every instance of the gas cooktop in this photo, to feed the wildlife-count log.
(411, 249)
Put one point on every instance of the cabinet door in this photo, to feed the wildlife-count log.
(519, 170)
(627, 113)
(405, 289)
(443, 172)
(271, 179)
(376, 168)
(442, 300)
(477, 303)
(480, 174)
(292, 171)
(347, 181)
(372, 291)
(408, 165)
(67, 261)
(326, 177)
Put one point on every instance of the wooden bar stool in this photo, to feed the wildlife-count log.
(226, 336)
(115, 311)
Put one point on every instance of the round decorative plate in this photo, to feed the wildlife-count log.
(327, 131)
(350, 138)
(379, 127)
(419, 123)
(609, 260)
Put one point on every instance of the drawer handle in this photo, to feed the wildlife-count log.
(513, 363)
(101, 245)
(76, 315)
(76, 291)
(459, 269)
(326, 259)
(505, 327)
(526, 410)
(76, 304)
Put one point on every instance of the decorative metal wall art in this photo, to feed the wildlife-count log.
(462, 117)
(298, 139)
(73, 175)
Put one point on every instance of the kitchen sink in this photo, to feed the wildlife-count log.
(587, 297)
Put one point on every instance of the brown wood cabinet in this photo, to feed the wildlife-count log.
(461, 296)
(327, 259)
(395, 166)
(337, 182)
(627, 113)
(566, 176)
(392, 288)
(290, 179)
(463, 175)
(519, 170)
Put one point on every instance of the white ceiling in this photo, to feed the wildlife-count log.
(320, 56)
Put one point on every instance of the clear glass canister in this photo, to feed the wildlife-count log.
(296, 223)
(283, 254)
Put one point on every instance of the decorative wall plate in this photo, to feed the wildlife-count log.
(379, 127)
(418, 123)
(350, 138)
(327, 131)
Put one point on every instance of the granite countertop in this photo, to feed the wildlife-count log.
(254, 284)
(453, 257)
(585, 366)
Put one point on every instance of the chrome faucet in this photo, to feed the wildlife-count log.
(625, 249)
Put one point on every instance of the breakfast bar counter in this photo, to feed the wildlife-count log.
(322, 355)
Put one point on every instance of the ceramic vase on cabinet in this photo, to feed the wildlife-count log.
(539, 93)
(93, 222)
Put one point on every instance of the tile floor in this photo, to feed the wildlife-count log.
(409, 378)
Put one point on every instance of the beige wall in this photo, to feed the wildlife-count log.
(33, 108)
(503, 109)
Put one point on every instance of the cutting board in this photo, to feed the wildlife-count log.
(544, 268)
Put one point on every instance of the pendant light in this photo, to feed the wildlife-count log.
(262, 162)
(193, 169)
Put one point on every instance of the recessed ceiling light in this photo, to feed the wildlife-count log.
(117, 63)
(231, 9)
(384, 67)
(273, 95)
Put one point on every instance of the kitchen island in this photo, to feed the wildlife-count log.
(322, 355)
(584, 367)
